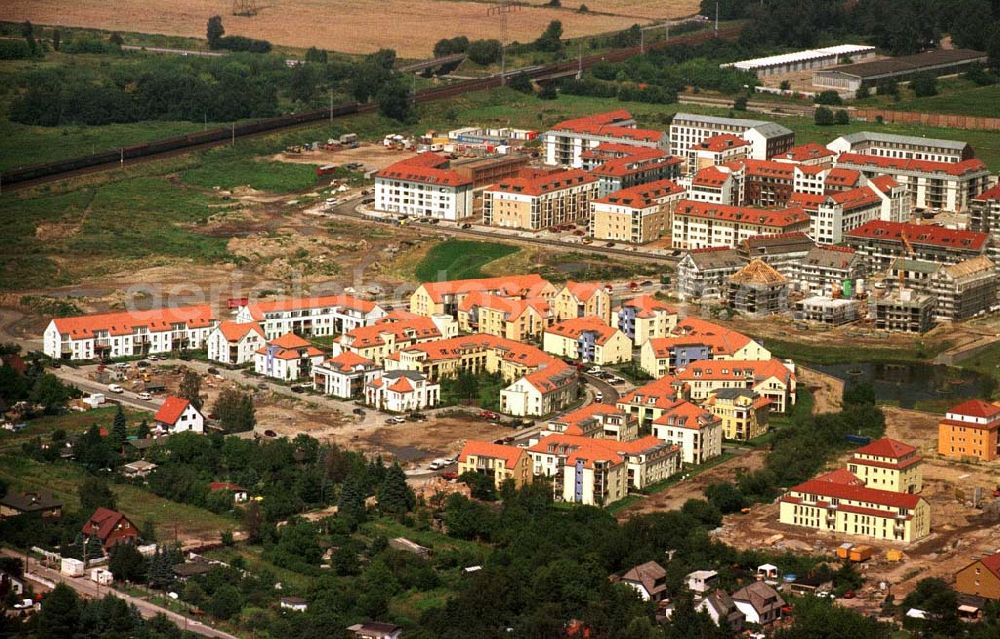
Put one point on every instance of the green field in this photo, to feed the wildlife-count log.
(70, 423)
(459, 259)
(227, 169)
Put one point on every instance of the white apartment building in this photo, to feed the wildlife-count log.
(566, 142)
(311, 316)
(842, 211)
(766, 139)
(402, 391)
(699, 225)
(697, 432)
(233, 343)
(128, 334)
(288, 358)
(902, 147)
(423, 186)
(718, 185)
(345, 375)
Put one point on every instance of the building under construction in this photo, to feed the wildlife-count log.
(962, 290)
(826, 310)
(905, 311)
(757, 289)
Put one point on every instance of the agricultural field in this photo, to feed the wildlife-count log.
(363, 26)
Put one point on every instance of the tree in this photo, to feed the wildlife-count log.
(583, 9)
(60, 616)
(841, 117)
(160, 571)
(56, 39)
(94, 493)
(394, 101)
(924, 85)
(13, 385)
(548, 91)
(484, 52)
(235, 411)
(142, 432)
(115, 39)
(50, 392)
(190, 388)
(449, 46)
(394, 496)
(740, 103)
(253, 519)
(316, 55)
(127, 563)
(862, 92)
(726, 497)
(521, 82)
(550, 40)
(939, 601)
(785, 85)
(823, 116)
(828, 97)
(119, 430)
(482, 487)
(351, 503)
(383, 58)
(215, 31)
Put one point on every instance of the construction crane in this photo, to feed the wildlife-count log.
(908, 248)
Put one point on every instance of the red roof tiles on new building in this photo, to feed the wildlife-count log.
(836, 490)
(684, 414)
(647, 306)
(349, 361)
(425, 170)
(529, 285)
(957, 169)
(530, 183)
(110, 527)
(925, 234)
(235, 331)
(643, 195)
(886, 447)
(576, 326)
(125, 323)
(976, 408)
(257, 309)
(510, 455)
(808, 151)
(721, 142)
(775, 219)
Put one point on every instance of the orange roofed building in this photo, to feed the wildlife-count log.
(637, 215)
(424, 186)
(582, 299)
(703, 224)
(234, 343)
(445, 297)
(981, 578)
(534, 200)
(600, 421)
(888, 464)
(288, 358)
(567, 141)
(520, 320)
(496, 461)
(310, 316)
(110, 527)
(587, 339)
(970, 430)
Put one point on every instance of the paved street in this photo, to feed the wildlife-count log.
(90, 589)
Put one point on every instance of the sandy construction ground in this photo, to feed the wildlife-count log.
(408, 26)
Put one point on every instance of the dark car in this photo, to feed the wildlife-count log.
(358, 411)
(270, 433)
(142, 364)
(212, 370)
(466, 226)
(298, 389)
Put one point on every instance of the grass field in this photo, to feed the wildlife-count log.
(62, 479)
(815, 354)
(459, 259)
(227, 169)
(70, 423)
(955, 95)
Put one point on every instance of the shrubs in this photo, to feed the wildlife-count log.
(828, 97)
(924, 86)
(484, 52)
(823, 116)
(450, 46)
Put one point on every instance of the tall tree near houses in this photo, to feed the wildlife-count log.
(394, 496)
(119, 430)
(191, 388)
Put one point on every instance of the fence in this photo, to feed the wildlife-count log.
(942, 120)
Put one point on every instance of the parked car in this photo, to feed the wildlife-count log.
(142, 364)
(488, 414)
(438, 464)
(24, 604)
(466, 225)
(153, 358)
(115, 388)
(262, 385)
(270, 433)
(298, 389)
(646, 283)
(145, 396)
(395, 420)
(598, 397)
(450, 475)
(609, 244)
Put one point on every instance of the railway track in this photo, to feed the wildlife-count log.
(23, 177)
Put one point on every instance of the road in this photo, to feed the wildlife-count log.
(184, 52)
(90, 589)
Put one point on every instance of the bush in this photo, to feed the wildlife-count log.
(828, 97)
(484, 52)
(85, 43)
(740, 103)
(841, 117)
(239, 43)
(924, 86)
(550, 40)
(521, 82)
(823, 116)
(887, 87)
(15, 50)
(862, 93)
(450, 46)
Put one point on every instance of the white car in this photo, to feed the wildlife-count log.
(395, 420)
(598, 397)
(593, 370)
(115, 388)
(144, 396)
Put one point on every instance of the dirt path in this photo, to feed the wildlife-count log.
(827, 390)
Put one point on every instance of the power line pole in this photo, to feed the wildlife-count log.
(501, 9)
(716, 18)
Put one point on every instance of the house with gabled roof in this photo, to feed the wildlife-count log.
(971, 430)
(344, 375)
(235, 343)
(432, 298)
(424, 186)
(650, 401)
(760, 603)
(319, 316)
(110, 527)
(587, 339)
(288, 358)
(602, 421)
(178, 415)
(402, 391)
(499, 462)
(888, 464)
(981, 578)
(518, 319)
(695, 430)
(582, 299)
(720, 607)
(769, 378)
(644, 317)
(648, 579)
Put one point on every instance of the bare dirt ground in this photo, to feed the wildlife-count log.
(372, 156)
(408, 26)
(827, 390)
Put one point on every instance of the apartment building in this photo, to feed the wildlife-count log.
(566, 142)
(970, 431)
(769, 184)
(946, 186)
(757, 290)
(128, 333)
(637, 167)
(599, 472)
(598, 421)
(636, 215)
(324, 316)
(725, 343)
(536, 200)
(287, 357)
(401, 391)
(782, 251)
(981, 578)
(378, 341)
(424, 186)
(879, 243)
(703, 273)
(903, 311)
(650, 401)
(696, 431)
(233, 343)
(715, 151)
(845, 508)
(499, 462)
(664, 355)
(718, 185)
(702, 225)
(644, 317)
(743, 413)
(582, 299)
(841, 179)
(587, 339)
(345, 375)
(961, 290)
(826, 268)
(842, 211)
(770, 379)
(766, 139)
(888, 464)
(902, 147)
(445, 297)
(827, 311)
(808, 154)
(520, 320)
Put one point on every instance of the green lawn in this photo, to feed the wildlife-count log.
(71, 423)
(459, 259)
(816, 354)
(955, 95)
(227, 168)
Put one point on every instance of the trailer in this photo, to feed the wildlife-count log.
(326, 169)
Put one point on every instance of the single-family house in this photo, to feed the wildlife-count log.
(287, 358)
(648, 579)
(402, 391)
(110, 527)
(240, 494)
(178, 415)
(234, 343)
(376, 630)
(980, 578)
(759, 602)
(587, 339)
(721, 608)
(16, 503)
(345, 375)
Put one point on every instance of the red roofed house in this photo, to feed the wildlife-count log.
(695, 430)
(744, 413)
(235, 343)
(981, 578)
(496, 461)
(566, 142)
(831, 506)
(644, 317)
(809, 154)
(703, 225)
(129, 333)
(582, 299)
(634, 168)
(770, 378)
(178, 415)
(601, 421)
(110, 527)
(378, 341)
(840, 212)
(716, 150)
(535, 200)
(424, 186)
(287, 358)
(445, 297)
(587, 339)
(636, 215)
(970, 430)
(345, 375)
(240, 494)
(650, 401)
(327, 315)
(888, 464)
(718, 185)
(400, 391)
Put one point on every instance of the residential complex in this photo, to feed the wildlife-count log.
(424, 186)
(498, 462)
(566, 142)
(536, 200)
(888, 464)
(324, 316)
(644, 318)
(703, 225)
(444, 298)
(879, 243)
(696, 431)
(582, 299)
(905, 147)
(766, 139)
(637, 215)
(587, 339)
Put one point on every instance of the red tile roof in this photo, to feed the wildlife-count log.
(124, 323)
(290, 346)
(530, 285)
(643, 195)
(402, 385)
(426, 170)
(858, 198)
(403, 330)
(510, 455)
(766, 168)
(721, 142)
(684, 414)
(710, 176)
(171, 410)
(235, 331)
(976, 408)
(808, 151)
(807, 201)
(774, 219)
(840, 176)
(348, 361)
(514, 308)
(574, 327)
(835, 490)
(989, 194)
(647, 306)
(736, 370)
(841, 476)
(110, 527)
(724, 341)
(957, 169)
(992, 563)
(925, 234)
(886, 447)
(530, 183)
(609, 125)
(661, 393)
(589, 450)
(257, 309)
(583, 291)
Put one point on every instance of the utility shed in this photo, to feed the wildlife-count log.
(757, 289)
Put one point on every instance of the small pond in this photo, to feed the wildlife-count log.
(907, 383)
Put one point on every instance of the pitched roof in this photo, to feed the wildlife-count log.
(893, 138)
(235, 331)
(611, 124)
(431, 169)
(258, 309)
(721, 142)
(887, 498)
(27, 502)
(839, 176)
(539, 183)
(347, 361)
(585, 415)
(104, 524)
(830, 256)
(684, 414)
(125, 323)
(647, 306)
(957, 169)
(577, 326)
(711, 176)
(416, 327)
(648, 574)
(583, 291)
(971, 267)
(724, 341)
(775, 219)
(588, 450)
(529, 285)
(757, 272)
(171, 410)
(766, 169)
(808, 151)
(716, 257)
(401, 385)
(976, 408)
(733, 369)
(886, 447)
(841, 476)
(759, 595)
(924, 234)
(510, 455)
(660, 393)
(989, 194)
(992, 563)
(859, 198)
(642, 195)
